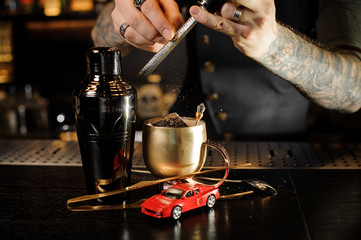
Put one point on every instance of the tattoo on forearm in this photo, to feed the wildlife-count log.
(103, 33)
(329, 78)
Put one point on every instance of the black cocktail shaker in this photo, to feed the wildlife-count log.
(104, 107)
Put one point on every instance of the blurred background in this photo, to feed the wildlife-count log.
(42, 59)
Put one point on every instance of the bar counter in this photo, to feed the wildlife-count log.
(319, 195)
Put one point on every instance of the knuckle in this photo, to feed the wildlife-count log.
(219, 25)
(147, 7)
(151, 35)
(216, 23)
(248, 34)
(208, 21)
(227, 10)
(245, 33)
(170, 4)
(129, 35)
(134, 21)
(260, 22)
(174, 4)
(160, 26)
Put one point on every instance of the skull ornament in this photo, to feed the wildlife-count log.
(150, 101)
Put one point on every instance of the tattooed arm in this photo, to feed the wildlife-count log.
(103, 33)
(330, 78)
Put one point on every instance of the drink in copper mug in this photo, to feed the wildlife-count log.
(174, 151)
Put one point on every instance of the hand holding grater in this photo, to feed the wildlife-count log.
(210, 5)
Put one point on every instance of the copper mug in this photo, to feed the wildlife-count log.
(170, 152)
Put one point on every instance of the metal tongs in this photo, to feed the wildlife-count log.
(210, 5)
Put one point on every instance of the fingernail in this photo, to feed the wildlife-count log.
(167, 34)
(194, 10)
(160, 40)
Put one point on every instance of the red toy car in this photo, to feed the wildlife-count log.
(180, 198)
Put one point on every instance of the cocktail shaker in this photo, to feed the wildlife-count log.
(104, 106)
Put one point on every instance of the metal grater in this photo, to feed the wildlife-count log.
(167, 48)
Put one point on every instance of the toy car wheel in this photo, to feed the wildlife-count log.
(176, 212)
(211, 200)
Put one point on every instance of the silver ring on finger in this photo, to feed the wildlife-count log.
(123, 28)
(138, 3)
(237, 14)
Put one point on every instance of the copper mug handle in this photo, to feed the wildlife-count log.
(225, 156)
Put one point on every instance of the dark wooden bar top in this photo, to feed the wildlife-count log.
(312, 203)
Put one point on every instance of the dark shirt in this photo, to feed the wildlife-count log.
(244, 100)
